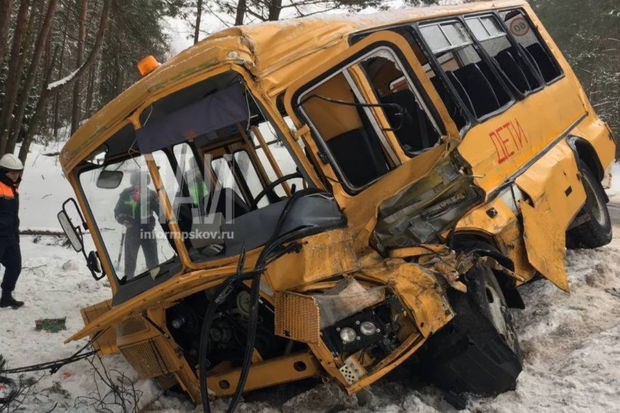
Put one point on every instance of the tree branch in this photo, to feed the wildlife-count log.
(103, 24)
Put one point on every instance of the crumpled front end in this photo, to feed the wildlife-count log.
(364, 324)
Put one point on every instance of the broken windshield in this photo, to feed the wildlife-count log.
(231, 169)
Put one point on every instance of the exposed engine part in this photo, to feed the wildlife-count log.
(373, 330)
(243, 303)
(228, 331)
(348, 297)
(352, 371)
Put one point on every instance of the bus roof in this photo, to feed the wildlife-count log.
(274, 53)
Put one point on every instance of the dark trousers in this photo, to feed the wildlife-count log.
(134, 239)
(11, 259)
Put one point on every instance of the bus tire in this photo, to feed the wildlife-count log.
(596, 230)
(478, 351)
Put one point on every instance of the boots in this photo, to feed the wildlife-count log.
(7, 300)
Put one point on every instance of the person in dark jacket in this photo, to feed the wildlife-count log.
(10, 254)
(136, 210)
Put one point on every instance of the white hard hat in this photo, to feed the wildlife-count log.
(11, 162)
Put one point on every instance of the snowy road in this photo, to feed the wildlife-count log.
(614, 213)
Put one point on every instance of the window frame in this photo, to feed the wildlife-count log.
(540, 39)
(96, 229)
(413, 28)
(325, 154)
(419, 97)
(470, 118)
(513, 43)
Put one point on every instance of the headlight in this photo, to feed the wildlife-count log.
(347, 335)
(372, 328)
(368, 328)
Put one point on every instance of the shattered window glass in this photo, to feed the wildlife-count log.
(510, 60)
(528, 39)
(471, 76)
(345, 118)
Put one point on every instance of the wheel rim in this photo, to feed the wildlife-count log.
(496, 310)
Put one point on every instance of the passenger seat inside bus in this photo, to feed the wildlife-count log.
(359, 157)
(513, 71)
(533, 73)
(500, 92)
(476, 87)
(545, 64)
(448, 101)
(222, 197)
(416, 132)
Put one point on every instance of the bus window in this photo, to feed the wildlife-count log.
(190, 175)
(347, 131)
(512, 62)
(408, 117)
(525, 35)
(474, 80)
(128, 215)
(243, 161)
(278, 162)
(188, 186)
(227, 190)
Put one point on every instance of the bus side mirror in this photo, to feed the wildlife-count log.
(109, 179)
(72, 232)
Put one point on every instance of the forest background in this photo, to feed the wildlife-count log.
(62, 60)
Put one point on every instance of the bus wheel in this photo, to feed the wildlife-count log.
(478, 352)
(595, 231)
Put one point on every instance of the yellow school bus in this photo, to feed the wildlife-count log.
(326, 197)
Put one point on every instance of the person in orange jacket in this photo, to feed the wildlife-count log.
(11, 169)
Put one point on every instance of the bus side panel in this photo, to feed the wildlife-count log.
(593, 129)
(597, 133)
(497, 220)
(498, 147)
(556, 194)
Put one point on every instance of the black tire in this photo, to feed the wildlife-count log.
(595, 231)
(478, 352)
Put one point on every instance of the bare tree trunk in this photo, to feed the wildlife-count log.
(13, 74)
(75, 104)
(103, 25)
(90, 90)
(240, 12)
(39, 47)
(198, 19)
(60, 67)
(40, 109)
(274, 10)
(5, 17)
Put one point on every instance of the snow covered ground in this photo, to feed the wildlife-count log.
(571, 342)
(43, 188)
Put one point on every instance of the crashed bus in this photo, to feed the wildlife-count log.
(329, 197)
